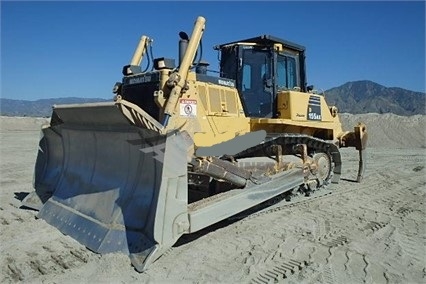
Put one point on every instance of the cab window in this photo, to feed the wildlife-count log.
(287, 72)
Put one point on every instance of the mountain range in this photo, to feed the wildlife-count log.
(38, 108)
(369, 97)
(352, 97)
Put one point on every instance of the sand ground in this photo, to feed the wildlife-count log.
(369, 232)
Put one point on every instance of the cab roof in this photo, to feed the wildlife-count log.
(265, 40)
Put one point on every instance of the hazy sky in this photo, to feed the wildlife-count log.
(62, 49)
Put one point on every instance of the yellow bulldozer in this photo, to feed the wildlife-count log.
(179, 149)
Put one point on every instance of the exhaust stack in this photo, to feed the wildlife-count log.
(183, 45)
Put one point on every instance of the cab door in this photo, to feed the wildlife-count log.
(256, 81)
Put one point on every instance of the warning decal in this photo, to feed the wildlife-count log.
(188, 108)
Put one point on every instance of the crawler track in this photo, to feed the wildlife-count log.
(288, 141)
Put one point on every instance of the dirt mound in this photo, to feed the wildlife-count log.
(390, 130)
(384, 130)
(22, 123)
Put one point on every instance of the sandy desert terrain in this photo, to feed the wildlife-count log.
(372, 232)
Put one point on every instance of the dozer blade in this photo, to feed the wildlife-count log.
(111, 185)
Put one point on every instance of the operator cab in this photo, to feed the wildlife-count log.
(261, 67)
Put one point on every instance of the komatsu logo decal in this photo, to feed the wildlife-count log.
(314, 108)
(226, 83)
(139, 80)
